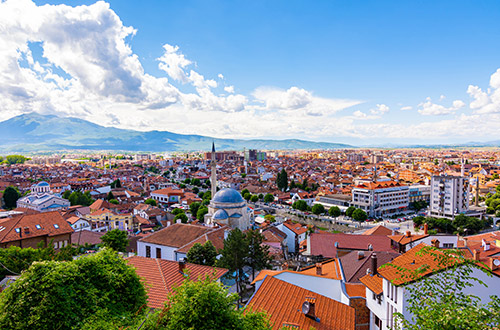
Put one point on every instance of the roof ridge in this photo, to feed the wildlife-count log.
(167, 288)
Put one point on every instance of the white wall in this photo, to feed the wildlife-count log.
(321, 285)
(167, 252)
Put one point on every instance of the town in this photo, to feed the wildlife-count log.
(323, 239)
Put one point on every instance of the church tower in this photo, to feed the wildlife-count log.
(213, 174)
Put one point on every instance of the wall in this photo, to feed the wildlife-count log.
(167, 252)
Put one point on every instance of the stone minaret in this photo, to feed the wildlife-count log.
(213, 174)
(462, 167)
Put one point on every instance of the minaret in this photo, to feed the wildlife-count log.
(462, 169)
(213, 175)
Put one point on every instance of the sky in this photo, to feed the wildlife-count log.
(357, 72)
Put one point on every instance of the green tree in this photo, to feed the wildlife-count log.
(258, 254)
(334, 211)
(116, 239)
(196, 182)
(151, 201)
(254, 198)
(359, 215)
(10, 197)
(247, 196)
(200, 215)
(233, 256)
(448, 307)
(110, 196)
(205, 254)
(300, 205)
(318, 209)
(193, 208)
(349, 211)
(63, 295)
(282, 180)
(66, 194)
(177, 211)
(269, 217)
(182, 216)
(268, 198)
(16, 159)
(204, 305)
(114, 201)
(244, 192)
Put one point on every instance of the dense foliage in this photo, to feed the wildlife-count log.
(10, 197)
(116, 239)
(318, 209)
(67, 295)
(359, 215)
(79, 198)
(151, 201)
(205, 254)
(282, 180)
(300, 205)
(461, 224)
(334, 211)
(268, 198)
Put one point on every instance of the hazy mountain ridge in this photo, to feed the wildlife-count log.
(34, 132)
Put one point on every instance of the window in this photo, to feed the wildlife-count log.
(56, 226)
(158, 253)
(378, 322)
(55, 245)
(38, 227)
(148, 251)
(18, 230)
(448, 245)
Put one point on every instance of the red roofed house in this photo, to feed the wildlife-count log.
(295, 233)
(168, 195)
(30, 229)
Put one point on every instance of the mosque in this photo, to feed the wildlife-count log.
(227, 207)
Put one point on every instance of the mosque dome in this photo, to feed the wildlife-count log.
(229, 196)
(220, 215)
(42, 184)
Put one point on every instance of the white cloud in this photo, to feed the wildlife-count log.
(428, 108)
(486, 101)
(229, 89)
(407, 108)
(380, 110)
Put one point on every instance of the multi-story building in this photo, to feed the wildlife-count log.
(420, 192)
(380, 198)
(449, 196)
(42, 199)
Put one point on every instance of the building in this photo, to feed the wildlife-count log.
(31, 229)
(42, 199)
(449, 196)
(420, 192)
(382, 198)
(339, 200)
(227, 207)
(168, 195)
(253, 155)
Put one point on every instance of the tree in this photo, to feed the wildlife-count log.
(114, 201)
(318, 209)
(258, 254)
(66, 194)
(282, 180)
(269, 217)
(116, 184)
(79, 198)
(64, 295)
(244, 192)
(200, 215)
(193, 208)
(261, 196)
(204, 305)
(349, 211)
(110, 196)
(233, 256)
(254, 198)
(359, 215)
(116, 239)
(196, 182)
(10, 197)
(300, 205)
(439, 302)
(247, 196)
(151, 201)
(182, 216)
(177, 211)
(334, 211)
(268, 198)
(205, 254)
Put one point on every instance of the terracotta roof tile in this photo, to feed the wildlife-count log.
(283, 303)
(324, 244)
(374, 283)
(355, 290)
(378, 230)
(161, 276)
(176, 235)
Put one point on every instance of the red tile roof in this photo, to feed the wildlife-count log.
(176, 235)
(324, 244)
(283, 303)
(161, 276)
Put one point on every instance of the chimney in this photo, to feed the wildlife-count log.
(476, 255)
(168, 223)
(435, 243)
(182, 265)
(319, 268)
(374, 264)
(486, 247)
(361, 255)
(370, 247)
(426, 229)
(408, 233)
(493, 263)
(309, 308)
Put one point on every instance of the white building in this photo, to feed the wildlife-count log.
(449, 196)
(227, 207)
(380, 198)
(41, 199)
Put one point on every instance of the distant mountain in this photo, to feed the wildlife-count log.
(44, 133)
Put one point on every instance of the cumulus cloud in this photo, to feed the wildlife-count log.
(486, 101)
(407, 108)
(380, 109)
(428, 108)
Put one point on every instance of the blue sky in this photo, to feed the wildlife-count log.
(321, 70)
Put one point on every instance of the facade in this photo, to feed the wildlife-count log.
(108, 220)
(381, 198)
(420, 192)
(449, 196)
(227, 207)
(167, 196)
(339, 200)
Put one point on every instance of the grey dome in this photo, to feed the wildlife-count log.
(220, 215)
(229, 196)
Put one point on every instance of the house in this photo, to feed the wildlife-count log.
(404, 242)
(171, 243)
(291, 306)
(331, 245)
(104, 220)
(168, 196)
(28, 230)
(295, 233)
(161, 276)
(78, 223)
(386, 287)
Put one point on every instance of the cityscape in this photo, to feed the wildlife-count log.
(140, 188)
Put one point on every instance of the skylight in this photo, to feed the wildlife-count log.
(18, 230)
(38, 227)
(56, 226)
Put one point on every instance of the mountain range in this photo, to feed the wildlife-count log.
(36, 133)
